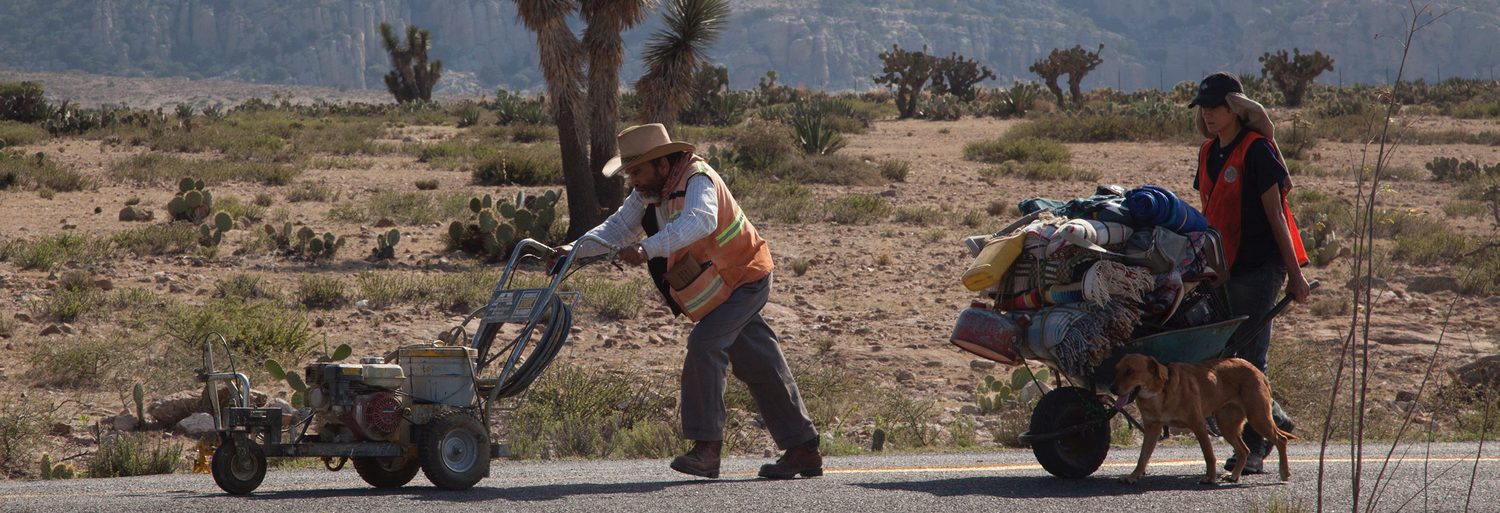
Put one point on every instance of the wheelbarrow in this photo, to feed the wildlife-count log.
(1069, 431)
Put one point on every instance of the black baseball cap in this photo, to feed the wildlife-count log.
(1213, 89)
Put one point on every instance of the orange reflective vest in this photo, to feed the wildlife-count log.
(1222, 198)
(733, 255)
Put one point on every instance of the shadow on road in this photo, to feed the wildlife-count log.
(1025, 487)
(479, 493)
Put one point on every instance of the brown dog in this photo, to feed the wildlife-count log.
(1182, 395)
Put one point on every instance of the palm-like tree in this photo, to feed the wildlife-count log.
(562, 61)
(675, 52)
(606, 19)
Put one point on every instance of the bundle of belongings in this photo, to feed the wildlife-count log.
(1071, 281)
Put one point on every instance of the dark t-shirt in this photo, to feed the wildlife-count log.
(1262, 171)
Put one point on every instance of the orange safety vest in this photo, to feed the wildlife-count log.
(733, 255)
(1222, 198)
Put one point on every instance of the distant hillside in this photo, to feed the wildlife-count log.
(820, 44)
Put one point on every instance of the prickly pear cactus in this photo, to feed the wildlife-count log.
(498, 224)
(385, 245)
(210, 234)
(192, 203)
(305, 242)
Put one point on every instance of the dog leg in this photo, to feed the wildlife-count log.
(1233, 429)
(1259, 414)
(1200, 430)
(1149, 435)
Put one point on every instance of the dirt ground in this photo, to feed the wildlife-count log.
(889, 318)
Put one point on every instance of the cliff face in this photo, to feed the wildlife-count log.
(829, 44)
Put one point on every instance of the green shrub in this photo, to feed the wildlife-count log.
(238, 209)
(858, 209)
(23, 102)
(895, 170)
(1036, 171)
(1024, 149)
(830, 170)
(532, 133)
(1485, 276)
(243, 286)
(134, 454)
(518, 166)
(427, 185)
(782, 201)
(412, 208)
(452, 292)
(49, 251)
(920, 216)
(159, 168)
(75, 362)
(1436, 247)
(1465, 208)
(321, 292)
(39, 173)
(253, 327)
(763, 145)
(158, 239)
(311, 191)
(1144, 121)
(74, 295)
(573, 412)
(23, 424)
(20, 134)
(610, 298)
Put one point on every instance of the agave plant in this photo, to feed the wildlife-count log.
(814, 135)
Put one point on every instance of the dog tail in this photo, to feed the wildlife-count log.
(1285, 435)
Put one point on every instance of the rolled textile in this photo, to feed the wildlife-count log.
(1088, 234)
(1154, 206)
(1080, 336)
(1107, 280)
(1036, 298)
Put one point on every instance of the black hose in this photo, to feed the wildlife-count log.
(546, 348)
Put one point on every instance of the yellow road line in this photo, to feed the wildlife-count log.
(1177, 462)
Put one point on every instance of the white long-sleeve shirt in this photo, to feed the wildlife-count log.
(700, 215)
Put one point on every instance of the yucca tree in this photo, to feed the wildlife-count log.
(606, 19)
(562, 59)
(674, 53)
(411, 77)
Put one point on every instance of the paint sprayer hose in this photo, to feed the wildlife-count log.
(546, 347)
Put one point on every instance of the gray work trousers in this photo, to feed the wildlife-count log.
(734, 333)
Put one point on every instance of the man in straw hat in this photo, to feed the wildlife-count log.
(712, 266)
(1243, 182)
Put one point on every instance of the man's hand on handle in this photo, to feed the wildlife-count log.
(632, 254)
(559, 254)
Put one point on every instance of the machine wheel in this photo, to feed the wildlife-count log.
(1075, 455)
(386, 472)
(454, 450)
(238, 467)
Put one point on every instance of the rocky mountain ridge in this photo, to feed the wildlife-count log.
(817, 44)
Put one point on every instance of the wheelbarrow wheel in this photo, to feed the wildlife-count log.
(454, 449)
(393, 472)
(238, 467)
(1074, 455)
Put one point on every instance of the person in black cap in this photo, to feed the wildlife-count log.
(1243, 182)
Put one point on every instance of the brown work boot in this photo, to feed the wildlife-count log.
(803, 459)
(702, 460)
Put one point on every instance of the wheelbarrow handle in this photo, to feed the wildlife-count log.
(1261, 324)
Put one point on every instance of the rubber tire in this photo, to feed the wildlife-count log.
(378, 473)
(1077, 455)
(235, 474)
(454, 450)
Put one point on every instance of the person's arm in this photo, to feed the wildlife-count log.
(1296, 283)
(699, 217)
(621, 228)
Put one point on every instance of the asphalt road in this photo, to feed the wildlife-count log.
(960, 482)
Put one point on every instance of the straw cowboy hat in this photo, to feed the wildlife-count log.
(641, 144)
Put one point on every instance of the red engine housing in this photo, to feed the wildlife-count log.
(375, 416)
